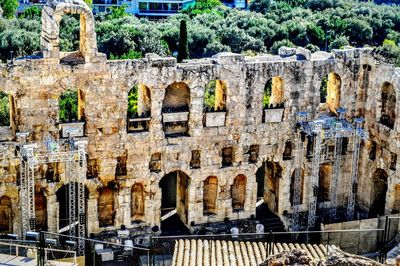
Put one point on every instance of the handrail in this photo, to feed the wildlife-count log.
(97, 241)
(33, 247)
(270, 233)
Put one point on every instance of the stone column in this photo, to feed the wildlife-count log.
(92, 214)
(52, 213)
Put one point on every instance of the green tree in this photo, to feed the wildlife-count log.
(9, 8)
(117, 12)
(4, 109)
(68, 105)
(183, 49)
(260, 6)
(132, 101)
(32, 12)
(339, 42)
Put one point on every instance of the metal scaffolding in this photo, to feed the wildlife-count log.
(73, 154)
(321, 131)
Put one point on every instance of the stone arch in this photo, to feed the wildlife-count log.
(6, 214)
(330, 91)
(51, 18)
(41, 210)
(238, 192)
(210, 193)
(105, 207)
(378, 192)
(388, 108)
(273, 95)
(138, 202)
(215, 96)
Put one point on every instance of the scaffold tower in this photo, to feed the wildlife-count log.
(321, 131)
(73, 154)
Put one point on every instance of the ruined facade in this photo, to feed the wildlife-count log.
(177, 154)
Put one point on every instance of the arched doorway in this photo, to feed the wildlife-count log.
(174, 194)
(267, 177)
(5, 214)
(64, 210)
(139, 108)
(378, 193)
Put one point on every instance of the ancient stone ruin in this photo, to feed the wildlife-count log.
(208, 163)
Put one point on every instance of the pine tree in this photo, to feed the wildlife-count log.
(183, 49)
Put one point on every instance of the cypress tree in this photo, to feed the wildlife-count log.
(183, 49)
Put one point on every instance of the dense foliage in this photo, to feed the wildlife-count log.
(4, 109)
(213, 28)
(68, 105)
(9, 7)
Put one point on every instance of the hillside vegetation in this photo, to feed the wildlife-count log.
(213, 28)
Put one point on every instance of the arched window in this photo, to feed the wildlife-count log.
(71, 106)
(330, 92)
(7, 114)
(238, 192)
(105, 207)
(273, 93)
(137, 207)
(210, 191)
(388, 111)
(215, 96)
(5, 214)
(139, 101)
(139, 106)
(175, 110)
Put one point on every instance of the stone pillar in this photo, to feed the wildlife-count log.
(92, 214)
(52, 213)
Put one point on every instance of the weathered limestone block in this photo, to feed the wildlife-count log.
(286, 51)
(303, 53)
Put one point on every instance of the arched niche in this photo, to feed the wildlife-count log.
(210, 193)
(138, 202)
(6, 214)
(63, 199)
(105, 207)
(388, 108)
(378, 192)
(330, 92)
(51, 18)
(238, 192)
(41, 210)
(215, 96)
(175, 110)
(324, 181)
(273, 95)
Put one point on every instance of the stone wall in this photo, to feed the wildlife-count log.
(35, 86)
